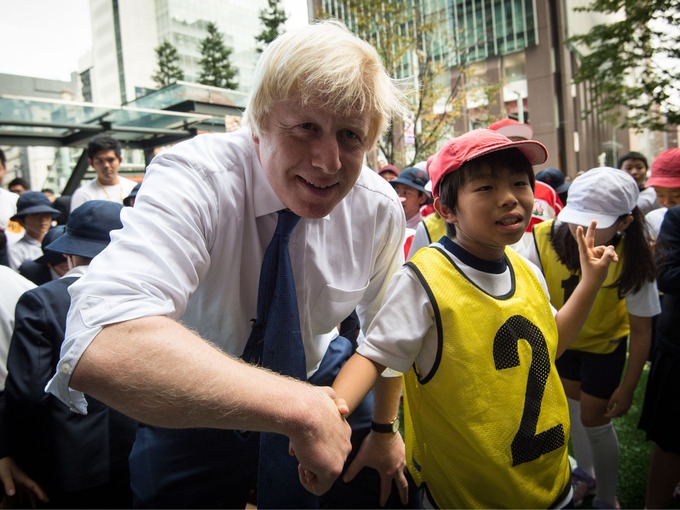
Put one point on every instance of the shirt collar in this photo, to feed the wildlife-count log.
(76, 271)
(264, 199)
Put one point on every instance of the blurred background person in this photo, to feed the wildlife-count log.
(35, 214)
(19, 185)
(104, 154)
(635, 165)
(388, 172)
(554, 178)
(50, 265)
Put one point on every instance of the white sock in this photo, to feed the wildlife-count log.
(604, 444)
(579, 440)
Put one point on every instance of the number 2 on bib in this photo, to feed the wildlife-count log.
(527, 445)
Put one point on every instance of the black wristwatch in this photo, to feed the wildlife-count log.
(386, 428)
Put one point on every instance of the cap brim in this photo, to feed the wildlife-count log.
(534, 151)
(583, 218)
(51, 257)
(36, 210)
(563, 187)
(73, 245)
(422, 189)
(664, 182)
(512, 130)
(410, 184)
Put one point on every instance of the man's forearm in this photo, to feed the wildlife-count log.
(160, 373)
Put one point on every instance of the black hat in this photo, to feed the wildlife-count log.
(554, 178)
(414, 178)
(133, 194)
(34, 202)
(53, 257)
(88, 229)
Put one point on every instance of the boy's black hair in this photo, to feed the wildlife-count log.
(3, 159)
(451, 183)
(103, 143)
(638, 261)
(19, 181)
(631, 155)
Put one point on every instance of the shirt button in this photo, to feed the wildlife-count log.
(66, 368)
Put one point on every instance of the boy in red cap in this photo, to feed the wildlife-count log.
(469, 323)
(665, 180)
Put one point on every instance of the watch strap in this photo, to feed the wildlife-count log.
(386, 428)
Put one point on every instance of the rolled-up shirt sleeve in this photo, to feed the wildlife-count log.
(151, 267)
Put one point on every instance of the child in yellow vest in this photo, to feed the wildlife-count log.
(469, 323)
(591, 369)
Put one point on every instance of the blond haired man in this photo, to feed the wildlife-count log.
(156, 325)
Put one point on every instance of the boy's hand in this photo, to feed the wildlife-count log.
(13, 478)
(595, 260)
(385, 453)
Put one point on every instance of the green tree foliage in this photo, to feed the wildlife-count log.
(169, 70)
(272, 18)
(216, 68)
(418, 49)
(633, 62)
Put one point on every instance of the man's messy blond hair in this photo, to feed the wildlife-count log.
(326, 66)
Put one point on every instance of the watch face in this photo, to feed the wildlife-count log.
(395, 425)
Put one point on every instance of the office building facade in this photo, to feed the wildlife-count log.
(520, 44)
(125, 34)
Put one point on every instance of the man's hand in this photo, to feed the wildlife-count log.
(386, 453)
(323, 444)
(13, 477)
(595, 260)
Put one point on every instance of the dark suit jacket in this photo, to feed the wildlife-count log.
(3, 249)
(61, 450)
(667, 254)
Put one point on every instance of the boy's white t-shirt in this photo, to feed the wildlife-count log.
(403, 331)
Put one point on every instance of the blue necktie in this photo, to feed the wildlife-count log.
(276, 343)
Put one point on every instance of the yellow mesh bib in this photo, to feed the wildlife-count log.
(488, 426)
(608, 319)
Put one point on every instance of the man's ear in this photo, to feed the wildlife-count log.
(444, 211)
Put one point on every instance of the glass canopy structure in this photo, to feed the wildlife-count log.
(164, 117)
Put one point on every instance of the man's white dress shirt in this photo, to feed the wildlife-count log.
(192, 246)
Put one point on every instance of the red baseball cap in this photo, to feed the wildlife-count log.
(474, 144)
(665, 171)
(389, 168)
(511, 127)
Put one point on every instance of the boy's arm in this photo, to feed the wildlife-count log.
(595, 262)
(382, 451)
(355, 380)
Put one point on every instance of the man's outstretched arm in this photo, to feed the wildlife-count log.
(158, 372)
